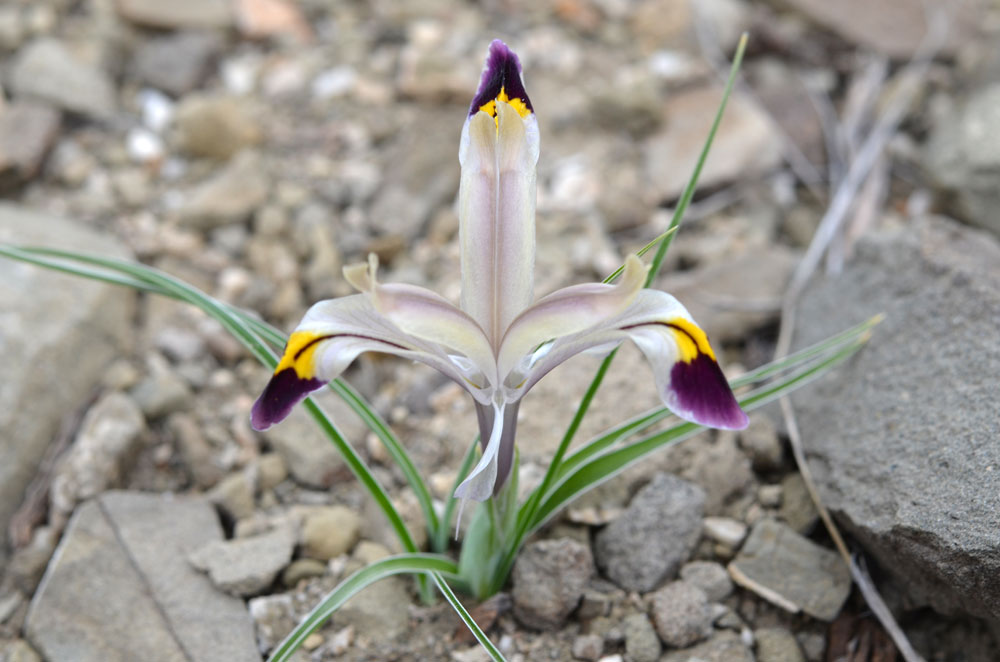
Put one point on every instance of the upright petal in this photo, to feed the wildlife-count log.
(331, 335)
(498, 153)
(688, 377)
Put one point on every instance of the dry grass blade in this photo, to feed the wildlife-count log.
(830, 226)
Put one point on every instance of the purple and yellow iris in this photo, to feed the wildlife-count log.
(500, 341)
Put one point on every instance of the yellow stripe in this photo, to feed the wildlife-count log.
(517, 104)
(299, 354)
(691, 340)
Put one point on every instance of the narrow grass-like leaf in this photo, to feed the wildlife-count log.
(603, 467)
(470, 623)
(403, 564)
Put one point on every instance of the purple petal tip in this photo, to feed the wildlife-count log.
(285, 390)
(502, 71)
(703, 392)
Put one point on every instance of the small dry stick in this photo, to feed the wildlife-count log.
(841, 203)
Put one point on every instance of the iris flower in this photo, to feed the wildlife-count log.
(499, 342)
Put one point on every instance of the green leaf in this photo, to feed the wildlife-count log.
(590, 473)
(403, 564)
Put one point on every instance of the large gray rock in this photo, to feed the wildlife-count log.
(57, 334)
(120, 588)
(654, 536)
(903, 441)
(47, 70)
(963, 156)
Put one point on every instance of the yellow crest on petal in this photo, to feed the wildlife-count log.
(691, 340)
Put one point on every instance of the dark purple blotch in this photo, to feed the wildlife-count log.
(503, 71)
(285, 390)
(702, 390)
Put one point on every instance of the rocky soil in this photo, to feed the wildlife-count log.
(254, 147)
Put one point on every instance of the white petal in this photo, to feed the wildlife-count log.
(479, 484)
(568, 311)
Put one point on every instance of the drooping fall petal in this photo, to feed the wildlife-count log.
(331, 335)
(688, 377)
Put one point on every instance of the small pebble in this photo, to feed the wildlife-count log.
(588, 647)
(770, 495)
(725, 530)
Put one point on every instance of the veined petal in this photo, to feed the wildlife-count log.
(688, 377)
(426, 315)
(568, 311)
(331, 335)
(498, 153)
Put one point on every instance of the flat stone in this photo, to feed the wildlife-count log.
(722, 647)
(791, 571)
(654, 536)
(895, 28)
(45, 69)
(177, 13)
(549, 578)
(963, 155)
(246, 566)
(681, 614)
(746, 144)
(50, 321)
(27, 131)
(119, 587)
(177, 63)
(903, 442)
(230, 196)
